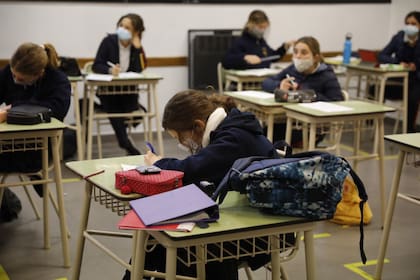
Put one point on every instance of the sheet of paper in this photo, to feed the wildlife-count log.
(258, 72)
(99, 77)
(325, 107)
(130, 75)
(256, 94)
(126, 167)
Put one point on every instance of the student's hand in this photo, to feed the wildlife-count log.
(115, 70)
(136, 41)
(252, 59)
(411, 66)
(286, 84)
(150, 158)
(3, 113)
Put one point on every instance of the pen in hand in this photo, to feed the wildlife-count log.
(110, 64)
(150, 146)
(292, 82)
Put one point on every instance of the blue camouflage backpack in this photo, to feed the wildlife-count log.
(308, 185)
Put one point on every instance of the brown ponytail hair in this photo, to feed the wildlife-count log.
(187, 106)
(31, 59)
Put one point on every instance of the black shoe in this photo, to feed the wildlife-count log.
(10, 206)
(37, 187)
(131, 149)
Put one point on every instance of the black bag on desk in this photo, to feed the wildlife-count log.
(298, 96)
(69, 66)
(28, 114)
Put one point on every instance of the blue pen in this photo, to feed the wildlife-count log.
(150, 146)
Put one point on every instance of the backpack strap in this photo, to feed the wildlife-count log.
(237, 167)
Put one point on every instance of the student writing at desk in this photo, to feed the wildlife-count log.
(216, 134)
(122, 52)
(32, 77)
(251, 51)
(307, 72)
(404, 49)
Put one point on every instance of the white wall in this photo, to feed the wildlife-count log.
(77, 28)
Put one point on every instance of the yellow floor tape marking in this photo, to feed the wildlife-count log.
(319, 235)
(71, 180)
(3, 274)
(62, 278)
(355, 267)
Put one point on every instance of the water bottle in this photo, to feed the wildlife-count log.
(347, 49)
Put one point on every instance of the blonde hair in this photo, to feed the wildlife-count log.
(31, 59)
(256, 17)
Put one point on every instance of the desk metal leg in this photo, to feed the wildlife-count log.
(312, 136)
(157, 118)
(90, 123)
(60, 198)
(270, 127)
(275, 257)
(389, 213)
(356, 143)
(405, 104)
(83, 226)
(289, 130)
(139, 254)
(170, 263)
(309, 255)
(380, 140)
(45, 190)
(201, 263)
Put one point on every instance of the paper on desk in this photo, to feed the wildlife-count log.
(130, 75)
(256, 94)
(325, 107)
(99, 77)
(126, 167)
(258, 72)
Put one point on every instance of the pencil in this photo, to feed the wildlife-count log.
(94, 174)
(150, 146)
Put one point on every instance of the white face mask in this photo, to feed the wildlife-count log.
(302, 65)
(410, 30)
(190, 146)
(257, 32)
(123, 34)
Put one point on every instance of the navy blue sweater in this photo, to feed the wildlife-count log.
(397, 51)
(323, 81)
(248, 44)
(109, 50)
(52, 90)
(238, 135)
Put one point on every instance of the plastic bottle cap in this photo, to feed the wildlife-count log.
(349, 35)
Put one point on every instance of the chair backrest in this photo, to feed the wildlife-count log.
(220, 77)
(345, 95)
(87, 68)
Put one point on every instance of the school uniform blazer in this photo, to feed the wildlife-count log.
(323, 81)
(109, 50)
(397, 51)
(238, 135)
(248, 44)
(52, 90)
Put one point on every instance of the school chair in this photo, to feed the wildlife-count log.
(220, 77)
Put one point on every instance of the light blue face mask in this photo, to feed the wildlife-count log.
(410, 30)
(123, 34)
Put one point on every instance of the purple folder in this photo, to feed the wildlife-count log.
(184, 204)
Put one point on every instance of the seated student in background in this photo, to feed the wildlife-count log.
(122, 52)
(247, 51)
(32, 77)
(404, 49)
(307, 72)
(216, 134)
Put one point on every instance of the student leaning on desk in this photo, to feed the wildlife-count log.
(250, 50)
(122, 52)
(404, 49)
(216, 134)
(32, 77)
(308, 71)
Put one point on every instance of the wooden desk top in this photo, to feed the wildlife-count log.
(105, 180)
(356, 107)
(411, 140)
(252, 96)
(53, 125)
